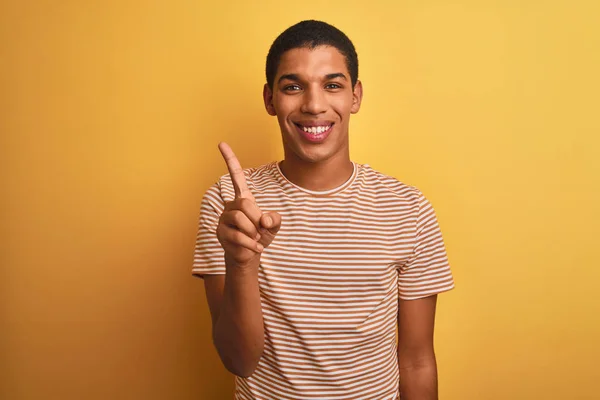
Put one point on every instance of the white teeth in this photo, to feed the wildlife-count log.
(315, 130)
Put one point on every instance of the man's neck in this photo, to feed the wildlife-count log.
(319, 176)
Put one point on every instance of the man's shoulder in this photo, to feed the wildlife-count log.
(256, 177)
(382, 184)
(254, 173)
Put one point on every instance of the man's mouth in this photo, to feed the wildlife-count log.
(315, 129)
(314, 132)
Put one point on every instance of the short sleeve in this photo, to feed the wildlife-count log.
(208, 254)
(427, 271)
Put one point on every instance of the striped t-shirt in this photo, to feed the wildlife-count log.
(331, 279)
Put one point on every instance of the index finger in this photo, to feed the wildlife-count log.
(236, 172)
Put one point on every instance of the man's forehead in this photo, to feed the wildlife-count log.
(321, 59)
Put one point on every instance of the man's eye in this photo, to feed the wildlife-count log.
(333, 86)
(291, 88)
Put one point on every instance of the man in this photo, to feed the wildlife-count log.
(321, 274)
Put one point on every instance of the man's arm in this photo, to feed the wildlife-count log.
(237, 320)
(243, 231)
(416, 356)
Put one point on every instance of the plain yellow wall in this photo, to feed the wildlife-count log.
(110, 113)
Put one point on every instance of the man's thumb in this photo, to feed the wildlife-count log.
(271, 222)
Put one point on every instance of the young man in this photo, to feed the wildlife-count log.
(321, 274)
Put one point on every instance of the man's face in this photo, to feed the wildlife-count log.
(313, 98)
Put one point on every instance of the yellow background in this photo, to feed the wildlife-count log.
(110, 113)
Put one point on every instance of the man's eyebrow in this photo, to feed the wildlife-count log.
(289, 77)
(294, 77)
(336, 75)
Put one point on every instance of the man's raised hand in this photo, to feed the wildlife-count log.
(244, 230)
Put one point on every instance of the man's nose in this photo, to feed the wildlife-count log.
(315, 101)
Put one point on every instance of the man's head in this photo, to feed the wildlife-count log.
(312, 87)
(311, 34)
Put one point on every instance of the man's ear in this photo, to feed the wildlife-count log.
(357, 95)
(268, 98)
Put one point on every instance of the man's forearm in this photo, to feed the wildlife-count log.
(418, 380)
(239, 331)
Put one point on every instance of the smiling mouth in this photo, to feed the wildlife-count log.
(315, 129)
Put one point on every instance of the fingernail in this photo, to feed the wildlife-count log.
(268, 221)
(259, 247)
(257, 236)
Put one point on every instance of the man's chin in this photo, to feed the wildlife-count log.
(309, 152)
(314, 154)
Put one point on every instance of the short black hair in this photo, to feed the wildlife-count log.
(311, 34)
